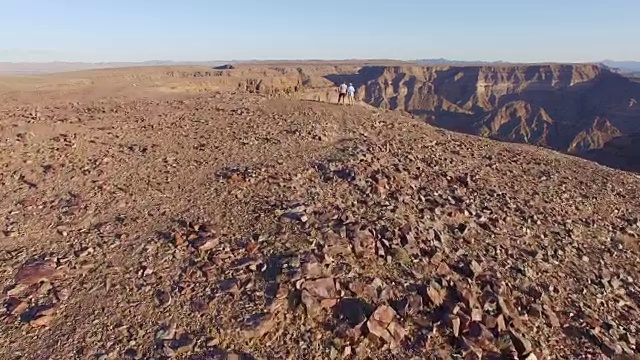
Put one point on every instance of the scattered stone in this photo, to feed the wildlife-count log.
(382, 325)
(379, 330)
(627, 242)
(347, 352)
(323, 288)
(209, 244)
(385, 314)
(166, 333)
(42, 321)
(469, 236)
(20, 308)
(296, 213)
(17, 290)
(476, 268)
(312, 305)
(35, 272)
(436, 294)
(455, 323)
(397, 331)
(521, 344)
(551, 315)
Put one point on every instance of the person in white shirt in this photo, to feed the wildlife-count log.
(351, 91)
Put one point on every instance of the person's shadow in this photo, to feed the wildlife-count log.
(363, 76)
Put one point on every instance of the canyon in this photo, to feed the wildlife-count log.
(570, 108)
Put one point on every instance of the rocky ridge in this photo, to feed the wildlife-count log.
(226, 226)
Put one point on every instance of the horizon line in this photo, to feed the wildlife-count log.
(311, 59)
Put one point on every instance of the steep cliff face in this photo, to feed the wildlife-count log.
(469, 89)
(594, 137)
(572, 108)
(518, 121)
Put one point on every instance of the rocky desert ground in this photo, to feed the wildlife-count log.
(201, 213)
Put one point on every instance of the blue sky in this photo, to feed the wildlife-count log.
(510, 30)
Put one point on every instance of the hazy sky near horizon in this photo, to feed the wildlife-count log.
(198, 30)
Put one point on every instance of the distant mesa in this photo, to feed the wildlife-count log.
(224, 67)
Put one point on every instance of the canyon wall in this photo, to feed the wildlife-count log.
(571, 108)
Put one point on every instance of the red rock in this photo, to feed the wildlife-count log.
(311, 304)
(385, 314)
(36, 272)
(42, 321)
(17, 290)
(397, 331)
(179, 239)
(328, 303)
(355, 332)
(312, 270)
(323, 288)
(208, 245)
(522, 345)
(347, 352)
(379, 330)
(551, 315)
(20, 308)
(476, 268)
(252, 247)
(443, 269)
(469, 298)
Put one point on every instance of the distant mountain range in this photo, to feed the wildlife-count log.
(29, 68)
(442, 61)
(625, 67)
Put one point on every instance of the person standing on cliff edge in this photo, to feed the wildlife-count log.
(352, 94)
(342, 92)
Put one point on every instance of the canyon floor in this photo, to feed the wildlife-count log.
(155, 217)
